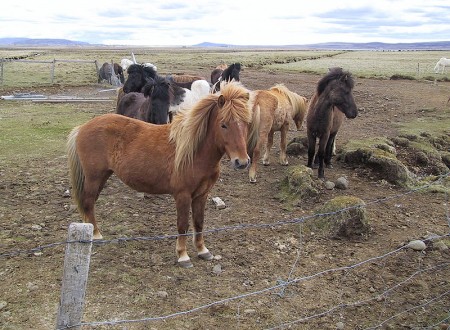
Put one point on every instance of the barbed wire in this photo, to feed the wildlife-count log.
(279, 286)
(226, 228)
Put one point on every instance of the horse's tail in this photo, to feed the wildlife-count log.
(75, 169)
(253, 132)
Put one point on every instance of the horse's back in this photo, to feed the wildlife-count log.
(129, 104)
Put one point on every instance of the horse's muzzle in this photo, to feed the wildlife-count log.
(239, 164)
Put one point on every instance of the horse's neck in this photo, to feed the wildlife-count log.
(322, 109)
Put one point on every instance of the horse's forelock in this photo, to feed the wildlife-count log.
(335, 74)
(134, 68)
(236, 102)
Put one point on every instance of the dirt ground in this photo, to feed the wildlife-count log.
(256, 243)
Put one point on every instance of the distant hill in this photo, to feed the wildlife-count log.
(40, 42)
(434, 45)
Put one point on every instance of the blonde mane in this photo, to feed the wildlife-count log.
(298, 103)
(189, 128)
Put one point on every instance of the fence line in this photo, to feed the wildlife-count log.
(52, 62)
(233, 227)
(281, 285)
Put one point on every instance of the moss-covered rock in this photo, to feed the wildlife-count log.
(343, 217)
(298, 184)
(380, 155)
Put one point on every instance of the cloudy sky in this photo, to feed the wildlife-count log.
(239, 22)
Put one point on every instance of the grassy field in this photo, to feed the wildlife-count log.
(368, 64)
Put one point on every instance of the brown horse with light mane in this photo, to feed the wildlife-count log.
(273, 110)
(182, 158)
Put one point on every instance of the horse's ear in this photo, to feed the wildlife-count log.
(221, 101)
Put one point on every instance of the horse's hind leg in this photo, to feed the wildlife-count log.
(269, 144)
(329, 150)
(91, 191)
(283, 138)
(198, 216)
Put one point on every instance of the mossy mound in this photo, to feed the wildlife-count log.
(341, 217)
(380, 155)
(298, 184)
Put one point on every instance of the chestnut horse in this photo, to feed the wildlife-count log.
(332, 100)
(153, 104)
(182, 158)
(273, 110)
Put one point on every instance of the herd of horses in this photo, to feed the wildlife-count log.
(156, 145)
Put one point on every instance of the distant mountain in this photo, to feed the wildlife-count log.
(434, 45)
(40, 42)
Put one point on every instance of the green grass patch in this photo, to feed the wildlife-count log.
(31, 130)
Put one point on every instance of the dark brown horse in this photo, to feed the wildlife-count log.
(332, 100)
(106, 73)
(219, 77)
(182, 158)
(138, 76)
(153, 104)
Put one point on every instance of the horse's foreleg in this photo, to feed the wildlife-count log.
(311, 150)
(321, 155)
(269, 144)
(198, 216)
(183, 202)
(329, 150)
(283, 137)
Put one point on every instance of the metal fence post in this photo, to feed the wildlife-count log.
(76, 268)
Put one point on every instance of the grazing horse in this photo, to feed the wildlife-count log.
(227, 75)
(153, 104)
(113, 78)
(182, 158)
(199, 89)
(442, 63)
(332, 100)
(273, 110)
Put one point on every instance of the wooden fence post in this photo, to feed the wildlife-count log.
(76, 268)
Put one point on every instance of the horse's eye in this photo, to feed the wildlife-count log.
(223, 126)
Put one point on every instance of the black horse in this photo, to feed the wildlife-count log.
(138, 76)
(152, 105)
(218, 76)
(332, 100)
(106, 73)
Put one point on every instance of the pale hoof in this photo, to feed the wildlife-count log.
(206, 256)
(252, 180)
(185, 264)
(329, 166)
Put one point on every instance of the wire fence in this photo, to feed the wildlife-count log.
(392, 298)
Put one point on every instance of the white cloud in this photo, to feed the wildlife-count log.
(162, 22)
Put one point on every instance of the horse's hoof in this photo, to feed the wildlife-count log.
(329, 166)
(185, 264)
(285, 163)
(266, 163)
(206, 256)
(252, 180)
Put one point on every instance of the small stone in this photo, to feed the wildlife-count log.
(218, 203)
(36, 227)
(329, 185)
(162, 294)
(340, 325)
(249, 311)
(342, 183)
(66, 193)
(3, 304)
(372, 289)
(417, 245)
(217, 257)
(217, 269)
